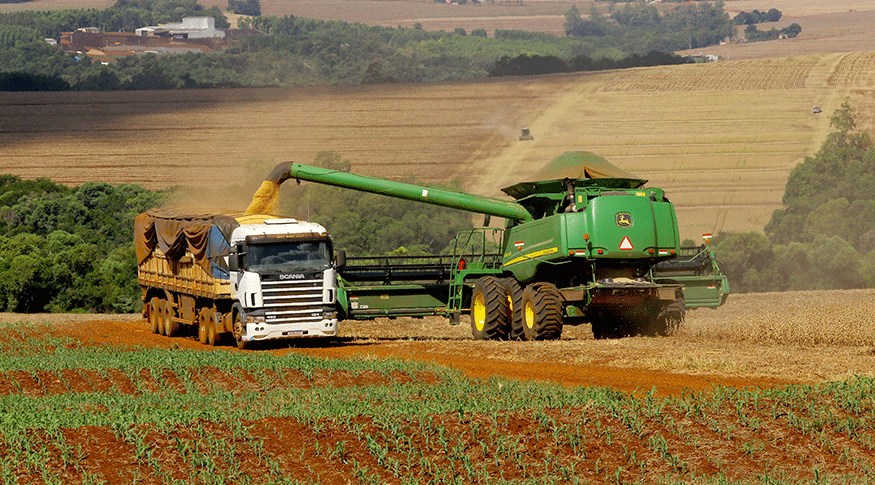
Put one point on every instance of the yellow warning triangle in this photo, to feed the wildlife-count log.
(626, 243)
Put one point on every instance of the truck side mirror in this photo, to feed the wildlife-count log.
(341, 258)
(235, 259)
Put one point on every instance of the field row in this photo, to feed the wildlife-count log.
(139, 381)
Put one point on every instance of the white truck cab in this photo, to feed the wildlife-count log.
(282, 279)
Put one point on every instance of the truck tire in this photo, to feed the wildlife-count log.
(514, 293)
(542, 312)
(170, 326)
(211, 321)
(154, 313)
(202, 318)
(489, 314)
(162, 305)
(238, 331)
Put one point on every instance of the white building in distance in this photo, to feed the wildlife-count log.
(189, 28)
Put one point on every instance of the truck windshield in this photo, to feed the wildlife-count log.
(289, 256)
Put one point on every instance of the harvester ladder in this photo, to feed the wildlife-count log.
(470, 256)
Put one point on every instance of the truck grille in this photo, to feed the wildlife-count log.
(290, 301)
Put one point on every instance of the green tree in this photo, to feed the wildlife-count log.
(245, 7)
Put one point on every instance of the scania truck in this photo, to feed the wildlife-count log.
(256, 277)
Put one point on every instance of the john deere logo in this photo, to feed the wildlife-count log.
(624, 219)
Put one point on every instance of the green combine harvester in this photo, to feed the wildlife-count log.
(584, 241)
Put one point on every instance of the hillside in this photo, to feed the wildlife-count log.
(720, 138)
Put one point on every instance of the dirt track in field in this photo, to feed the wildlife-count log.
(761, 340)
(515, 360)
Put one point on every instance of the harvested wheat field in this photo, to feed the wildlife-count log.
(721, 138)
(775, 386)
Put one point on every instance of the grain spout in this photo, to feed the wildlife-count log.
(266, 198)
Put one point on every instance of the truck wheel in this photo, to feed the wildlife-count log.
(489, 315)
(514, 293)
(202, 318)
(154, 314)
(238, 332)
(170, 326)
(542, 312)
(213, 319)
(162, 304)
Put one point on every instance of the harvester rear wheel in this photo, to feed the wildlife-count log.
(489, 314)
(670, 318)
(514, 293)
(542, 312)
(154, 313)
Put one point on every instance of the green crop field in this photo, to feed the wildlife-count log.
(75, 412)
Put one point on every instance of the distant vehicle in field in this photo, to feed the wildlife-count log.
(525, 135)
(815, 109)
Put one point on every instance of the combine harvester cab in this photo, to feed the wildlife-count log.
(579, 245)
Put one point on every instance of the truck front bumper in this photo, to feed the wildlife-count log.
(257, 331)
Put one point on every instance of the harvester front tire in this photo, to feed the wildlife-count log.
(542, 312)
(514, 293)
(154, 314)
(489, 310)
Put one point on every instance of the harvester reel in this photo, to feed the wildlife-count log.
(489, 310)
(542, 312)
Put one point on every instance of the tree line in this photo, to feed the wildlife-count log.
(757, 17)
(69, 249)
(638, 26)
(525, 65)
(294, 51)
(752, 34)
